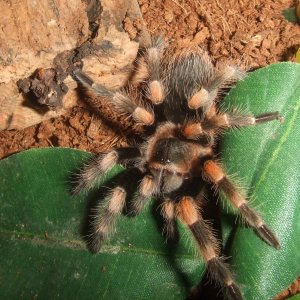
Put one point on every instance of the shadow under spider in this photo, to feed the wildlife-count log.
(171, 245)
(96, 196)
(206, 288)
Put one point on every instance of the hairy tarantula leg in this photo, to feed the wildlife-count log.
(120, 100)
(155, 87)
(205, 97)
(236, 120)
(224, 76)
(227, 120)
(140, 73)
(99, 165)
(208, 244)
(145, 191)
(168, 212)
(217, 175)
(104, 217)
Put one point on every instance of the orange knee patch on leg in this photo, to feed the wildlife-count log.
(156, 92)
(192, 130)
(214, 172)
(141, 115)
(198, 99)
(187, 211)
(147, 186)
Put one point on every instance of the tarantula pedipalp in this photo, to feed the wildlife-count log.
(179, 110)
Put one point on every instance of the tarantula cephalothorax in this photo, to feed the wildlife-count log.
(178, 108)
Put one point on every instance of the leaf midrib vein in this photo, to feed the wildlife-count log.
(277, 150)
(76, 244)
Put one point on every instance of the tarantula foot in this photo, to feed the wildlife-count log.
(78, 189)
(268, 236)
(170, 231)
(266, 117)
(132, 212)
(136, 207)
(234, 292)
(96, 242)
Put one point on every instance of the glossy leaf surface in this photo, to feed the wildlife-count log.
(267, 158)
(43, 253)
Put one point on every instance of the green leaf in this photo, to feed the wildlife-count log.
(290, 14)
(267, 158)
(296, 297)
(43, 254)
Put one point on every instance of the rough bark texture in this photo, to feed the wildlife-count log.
(42, 41)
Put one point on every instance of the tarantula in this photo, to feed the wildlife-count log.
(178, 107)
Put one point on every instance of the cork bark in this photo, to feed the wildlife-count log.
(41, 42)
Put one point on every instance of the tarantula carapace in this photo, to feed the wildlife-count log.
(178, 107)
